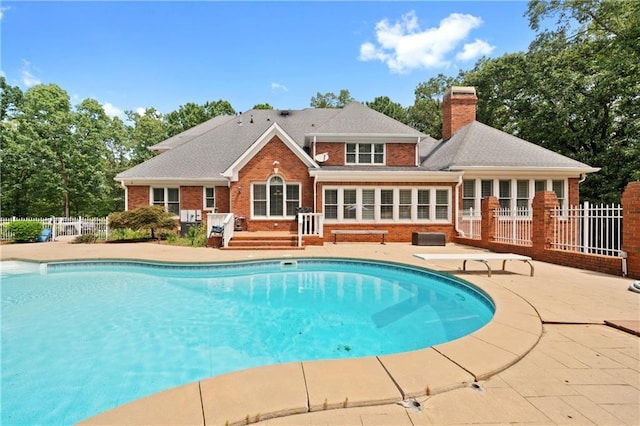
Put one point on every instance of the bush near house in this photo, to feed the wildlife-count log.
(24, 231)
(145, 218)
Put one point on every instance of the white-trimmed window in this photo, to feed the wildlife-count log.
(424, 205)
(468, 195)
(168, 198)
(405, 204)
(368, 204)
(504, 194)
(350, 204)
(513, 193)
(365, 204)
(365, 153)
(522, 195)
(331, 204)
(275, 198)
(442, 204)
(558, 187)
(386, 204)
(209, 198)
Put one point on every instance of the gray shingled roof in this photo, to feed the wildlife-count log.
(360, 119)
(478, 145)
(206, 152)
(189, 134)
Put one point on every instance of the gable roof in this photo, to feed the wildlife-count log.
(478, 146)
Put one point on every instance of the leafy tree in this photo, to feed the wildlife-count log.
(425, 114)
(330, 100)
(192, 114)
(391, 109)
(590, 62)
(262, 106)
(90, 130)
(44, 126)
(10, 99)
(151, 218)
(148, 129)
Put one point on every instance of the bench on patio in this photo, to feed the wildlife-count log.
(337, 232)
(478, 257)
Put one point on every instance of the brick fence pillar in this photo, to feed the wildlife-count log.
(542, 226)
(631, 228)
(487, 227)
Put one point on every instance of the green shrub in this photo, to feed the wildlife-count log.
(152, 218)
(85, 239)
(23, 231)
(196, 236)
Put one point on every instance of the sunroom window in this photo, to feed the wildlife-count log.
(387, 204)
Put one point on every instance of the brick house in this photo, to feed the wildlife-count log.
(354, 167)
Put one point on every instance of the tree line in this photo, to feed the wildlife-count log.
(575, 91)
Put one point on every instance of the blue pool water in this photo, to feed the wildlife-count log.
(82, 338)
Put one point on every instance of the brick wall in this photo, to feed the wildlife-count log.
(191, 198)
(631, 228)
(137, 196)
(401, 154)
(259, 169)
(458, 109)
(335, 151)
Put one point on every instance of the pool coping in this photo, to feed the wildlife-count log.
(261, 393)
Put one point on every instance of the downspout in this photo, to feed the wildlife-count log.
(418, 152)
(457, 192)
(313, 150)
(126, 195)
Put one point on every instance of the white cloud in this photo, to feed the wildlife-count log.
(141, 111)
(474, 50)
(112, 110)
(28, 79)
(404, 46)
(278, 86)
(3, 10)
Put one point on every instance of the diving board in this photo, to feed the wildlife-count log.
(478, 257)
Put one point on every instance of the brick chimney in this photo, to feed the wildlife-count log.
(458, 109)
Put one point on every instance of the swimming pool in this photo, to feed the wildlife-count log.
(81, 338)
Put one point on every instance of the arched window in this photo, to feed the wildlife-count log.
(275, 198)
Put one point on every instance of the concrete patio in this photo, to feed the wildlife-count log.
(547, 357)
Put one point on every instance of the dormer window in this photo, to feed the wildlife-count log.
(365, 153)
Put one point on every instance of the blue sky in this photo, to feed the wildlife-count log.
(132, 55)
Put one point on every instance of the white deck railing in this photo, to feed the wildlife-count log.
(588, 229)
(470, 224)
(63, 226)
(513, 226)
(309, 224)
(226, 220)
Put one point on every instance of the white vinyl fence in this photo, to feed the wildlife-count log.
(513, 226)
(63, 226)
(470, 224)
(594, 229)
